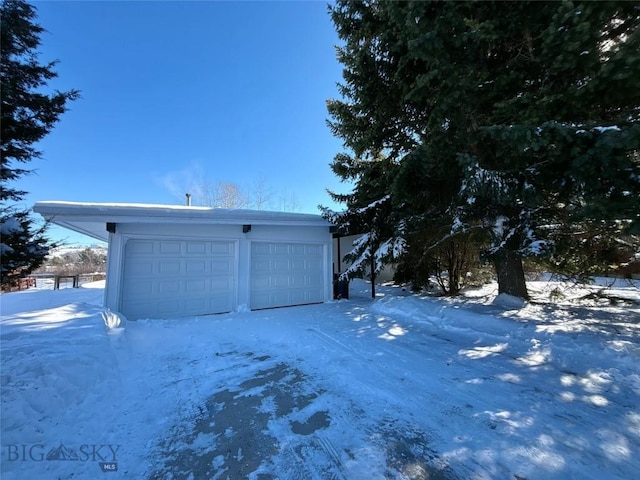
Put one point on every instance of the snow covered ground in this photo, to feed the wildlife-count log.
(403, 387)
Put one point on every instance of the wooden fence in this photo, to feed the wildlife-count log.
(44, 280)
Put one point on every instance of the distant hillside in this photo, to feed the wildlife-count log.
(74, 249)
(71, 260)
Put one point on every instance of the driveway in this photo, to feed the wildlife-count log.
(238, 423)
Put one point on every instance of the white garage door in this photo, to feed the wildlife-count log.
(164, 278)
(284, 274)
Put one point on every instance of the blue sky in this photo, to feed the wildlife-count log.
(176, 92)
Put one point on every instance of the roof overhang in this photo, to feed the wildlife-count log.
(91, 218)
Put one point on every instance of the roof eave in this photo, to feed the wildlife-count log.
(78, 216)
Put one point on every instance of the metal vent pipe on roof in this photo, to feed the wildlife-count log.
(188, 199)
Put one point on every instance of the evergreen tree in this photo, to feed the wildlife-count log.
(27, 116)
(515, 122)
(23, 247)
(368, 212)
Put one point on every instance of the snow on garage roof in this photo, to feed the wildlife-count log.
(91, 218)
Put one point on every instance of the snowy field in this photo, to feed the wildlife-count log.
(403, 387)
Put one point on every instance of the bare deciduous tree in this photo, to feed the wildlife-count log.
(258, 196)
(261, 195)
(288, 202)
(222, 195)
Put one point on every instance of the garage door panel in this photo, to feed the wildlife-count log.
(298, 250)
(141, 308)
(168, 286)
(221, 304)
(259, 265)
(178, 278)
(138, 310)
(299, 264)
(222, 267)
(261, 283)
(285, 274)
(169, 248)
(280, 265)
(260, 249)
(141, 248)
(196, 266)
(314, 263)
(196, 248)
(316, 295)
(138, 289)
(195, 287)
(169, 267)
(222, 248)
(195, 304)
(168, 307)
(299, 297)
(282, 298)
(280, 280)
(260, 298)
(221, 284)
(299, 280)
(140, 267)
(280, 249)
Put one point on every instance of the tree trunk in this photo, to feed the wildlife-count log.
(510, 272)
(373, 277)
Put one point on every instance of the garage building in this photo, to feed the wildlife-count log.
(175, 261)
